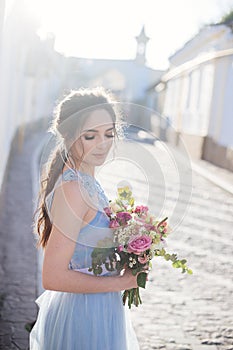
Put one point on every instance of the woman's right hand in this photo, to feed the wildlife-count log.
(129, 280)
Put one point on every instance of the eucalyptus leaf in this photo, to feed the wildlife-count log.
(141, 279)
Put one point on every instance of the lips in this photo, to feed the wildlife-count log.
(100, 155)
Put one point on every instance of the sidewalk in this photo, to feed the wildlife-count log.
(219, 176)
(18, 255)
(215, 174)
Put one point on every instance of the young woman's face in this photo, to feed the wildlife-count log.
(96, 138)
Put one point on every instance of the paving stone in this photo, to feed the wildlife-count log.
(200, 305)
(205, 347)
(212, 341)
(17, 253)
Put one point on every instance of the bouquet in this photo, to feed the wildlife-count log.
(138, 237)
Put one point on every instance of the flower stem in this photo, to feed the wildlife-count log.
(133, 297)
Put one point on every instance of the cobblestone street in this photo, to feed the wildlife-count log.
(179, 312)
(193, 312)
(189, 312)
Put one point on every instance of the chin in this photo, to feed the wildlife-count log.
(95, 161)
(99, 162)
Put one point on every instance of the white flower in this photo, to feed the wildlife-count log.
(141, 230)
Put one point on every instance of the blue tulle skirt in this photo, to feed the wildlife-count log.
(76, 321)
(69, 321)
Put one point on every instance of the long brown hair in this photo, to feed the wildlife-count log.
(76, 106)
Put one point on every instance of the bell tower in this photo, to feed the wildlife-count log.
(142, 40)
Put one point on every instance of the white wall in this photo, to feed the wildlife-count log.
(221, 122)
(199, 86)
(31, 78)
(226, 135)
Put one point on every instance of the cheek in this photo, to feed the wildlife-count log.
(110, 142)
(79, 147)
(87, 146)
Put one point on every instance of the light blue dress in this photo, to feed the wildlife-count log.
(77, 321)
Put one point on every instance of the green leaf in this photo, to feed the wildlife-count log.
(175, 264)
(173, 257)
(98, 270)
(162, 251)
(141, 279)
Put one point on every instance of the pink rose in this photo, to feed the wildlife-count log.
(149, 227)
(142, 259)
(139, 244)
(141, 209)
(123, 217)
(113, 224)
(120, 248)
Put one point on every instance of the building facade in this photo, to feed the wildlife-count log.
(128, 79)
(195, 95)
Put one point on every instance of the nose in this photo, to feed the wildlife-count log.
(102, 143)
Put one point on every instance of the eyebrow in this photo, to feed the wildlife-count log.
(93, 130)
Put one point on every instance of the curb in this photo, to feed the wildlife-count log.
(225, 185)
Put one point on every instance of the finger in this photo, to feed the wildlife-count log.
(146, 268)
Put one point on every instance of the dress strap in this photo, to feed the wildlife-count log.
(90, 184)
(69, 175)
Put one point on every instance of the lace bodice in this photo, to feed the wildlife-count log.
(97, 230)
(90, 184)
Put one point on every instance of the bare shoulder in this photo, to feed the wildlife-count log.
(69, 207)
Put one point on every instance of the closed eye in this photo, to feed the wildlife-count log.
(110, 135)
(89, 137)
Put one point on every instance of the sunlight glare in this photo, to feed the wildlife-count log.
(106, 29)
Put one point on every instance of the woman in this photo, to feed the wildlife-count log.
(78, 310)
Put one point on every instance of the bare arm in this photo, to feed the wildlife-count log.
(56, 275)
(69, 209)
